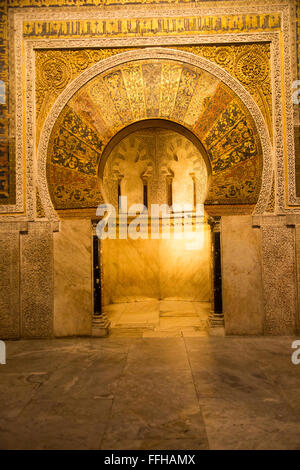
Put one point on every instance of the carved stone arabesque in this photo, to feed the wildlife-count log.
(279, 279)
(37, 281)
(9, 281)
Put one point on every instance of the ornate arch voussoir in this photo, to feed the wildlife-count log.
(155, 53)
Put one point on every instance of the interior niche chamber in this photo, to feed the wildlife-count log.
(156, 163)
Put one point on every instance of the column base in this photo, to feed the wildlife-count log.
(100, 326)
(216, 326)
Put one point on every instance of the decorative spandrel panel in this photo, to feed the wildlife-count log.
(55, 69)
(147, 89)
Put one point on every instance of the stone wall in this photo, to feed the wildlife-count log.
(279, 278)
(241, 276)
(135, 270)
(26, 281)
(73, 294)
(36, 281)
(259, 270)
(9, 280)
(46, 278)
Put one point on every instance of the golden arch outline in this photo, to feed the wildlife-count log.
(154, 53)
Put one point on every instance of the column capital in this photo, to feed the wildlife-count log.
(215, 223)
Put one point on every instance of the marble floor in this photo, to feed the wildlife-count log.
(158, 319)
(150, 393)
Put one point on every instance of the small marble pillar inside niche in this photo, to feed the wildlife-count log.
(100, 322)
(216, 317)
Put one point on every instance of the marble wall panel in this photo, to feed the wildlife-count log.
(241, 276)
(135, 270)
(185, 269)
(130, 270)
(73, 294)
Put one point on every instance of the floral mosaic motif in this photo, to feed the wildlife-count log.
(135, 91)
(231, 140)
(118, 94)
(212, 105)
(7, 164)
(77, 197)
(55, 73)
(152, 82)
(65, 65)
(250, 64)
(72, 153)
(251, 67)
(73, 189)
(77, 127)
(76, 146)
(235, 183)
(75, 61)
(4, 166)
(241, 153)
(239, 133)
(228, 119)
(188, 81)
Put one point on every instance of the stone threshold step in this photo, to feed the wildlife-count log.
(178, 314)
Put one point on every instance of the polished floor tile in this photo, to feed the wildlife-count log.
(158, 319)
(177, 392)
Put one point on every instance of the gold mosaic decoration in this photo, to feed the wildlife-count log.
(150, 27)
(55, 69)
(7, 150)
(250, 64)
(298, 37)
(89, 3)
(133, 91)
(238, 62)
(170, 26)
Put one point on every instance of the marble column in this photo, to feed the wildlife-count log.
(100, 322)
(216, 317)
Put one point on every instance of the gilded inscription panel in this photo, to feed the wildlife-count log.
(150, 27)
